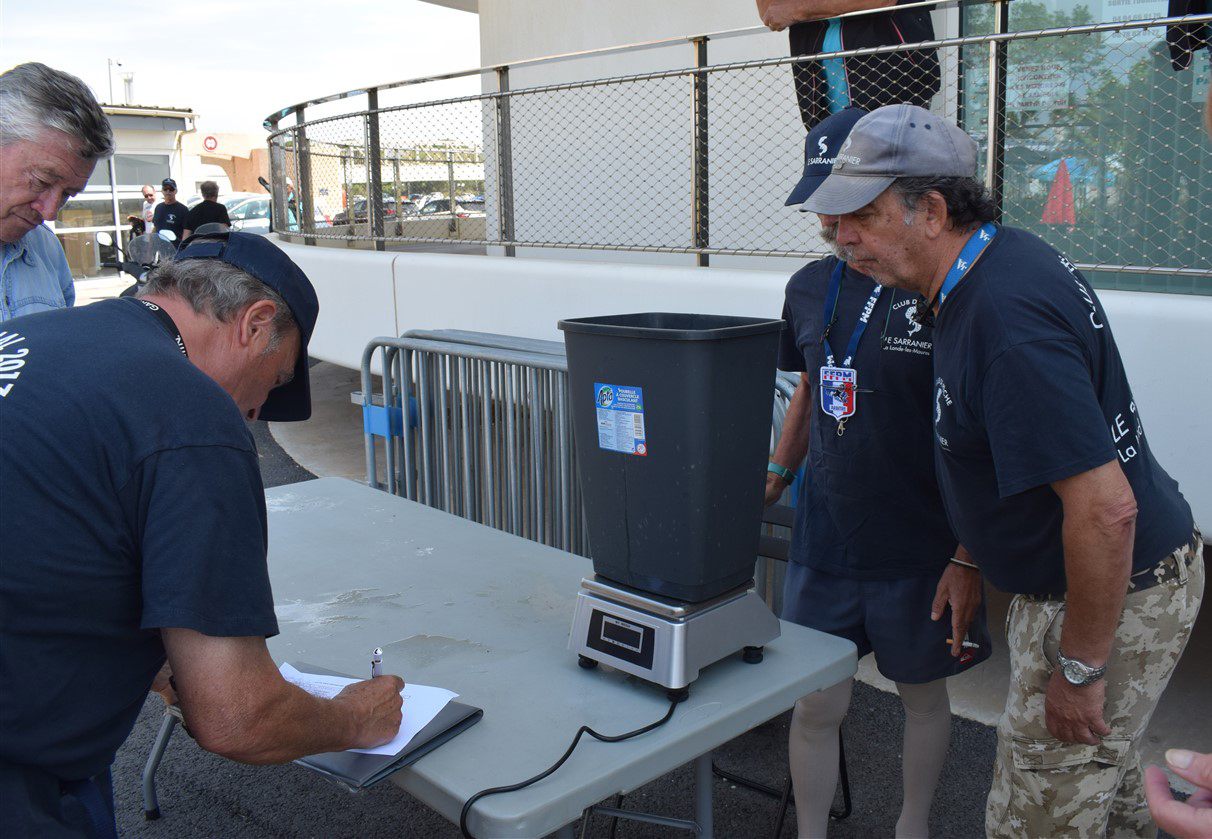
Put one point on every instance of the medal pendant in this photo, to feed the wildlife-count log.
(839, 394)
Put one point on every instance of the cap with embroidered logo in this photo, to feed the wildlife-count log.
(259, 257)
(820, 148)
(895, 141)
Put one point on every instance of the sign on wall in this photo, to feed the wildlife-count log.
(1037, 87)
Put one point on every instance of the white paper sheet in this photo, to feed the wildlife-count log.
(421, 704)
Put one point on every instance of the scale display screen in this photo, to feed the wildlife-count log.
(623, 639)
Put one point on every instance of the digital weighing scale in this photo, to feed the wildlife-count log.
(664, 640)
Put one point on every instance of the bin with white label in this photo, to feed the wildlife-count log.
(671, 416)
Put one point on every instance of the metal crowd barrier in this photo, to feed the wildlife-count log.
(487, 433)
(479, 425)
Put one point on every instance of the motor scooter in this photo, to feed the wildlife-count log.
(143, 253)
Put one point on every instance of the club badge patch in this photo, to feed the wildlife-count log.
(838, 391)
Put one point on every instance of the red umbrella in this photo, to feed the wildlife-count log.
(1058, 209)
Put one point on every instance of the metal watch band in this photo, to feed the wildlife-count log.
(1077, 672)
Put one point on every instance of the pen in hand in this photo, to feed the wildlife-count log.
(376, 663)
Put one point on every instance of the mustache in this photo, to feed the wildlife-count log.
(829, 234)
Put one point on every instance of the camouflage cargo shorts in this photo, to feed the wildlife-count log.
(1045, 787)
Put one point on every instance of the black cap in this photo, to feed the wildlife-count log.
(264, 260)
(168, 182)
(820, 148)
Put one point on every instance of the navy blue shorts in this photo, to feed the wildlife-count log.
(888, 617)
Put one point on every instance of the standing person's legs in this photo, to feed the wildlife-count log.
(830, 604)
(1044, 787)
(813, 755)
(892, 618)
(927, 736)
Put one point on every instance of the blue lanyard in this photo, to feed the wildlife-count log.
(837, 91)
(973, 248)
(835, 287)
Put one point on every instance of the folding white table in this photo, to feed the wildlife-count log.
(466, 607)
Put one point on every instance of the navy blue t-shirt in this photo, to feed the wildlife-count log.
(132, 500)
(1029, 389)
(171, 217)
(870, 507)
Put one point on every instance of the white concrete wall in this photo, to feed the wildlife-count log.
(518, 29)
(1163, 337)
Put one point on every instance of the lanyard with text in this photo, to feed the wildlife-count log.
(973, 248)
(167, 322)
(839, 392)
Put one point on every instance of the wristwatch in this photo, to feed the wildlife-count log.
(1078, 672)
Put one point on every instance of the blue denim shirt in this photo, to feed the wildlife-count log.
(34, 275)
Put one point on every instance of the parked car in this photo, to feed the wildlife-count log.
(229, 200)
(441, 207)
(251, 215)
(232, 199)
(359, 210)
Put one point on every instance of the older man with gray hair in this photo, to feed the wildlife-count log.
(52, 133)
(143, 538)
(1045, 471)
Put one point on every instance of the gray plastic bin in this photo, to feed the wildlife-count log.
(671, 415)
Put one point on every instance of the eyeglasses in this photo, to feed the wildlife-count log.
(167, 189)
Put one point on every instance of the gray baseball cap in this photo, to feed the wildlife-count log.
(895, 141)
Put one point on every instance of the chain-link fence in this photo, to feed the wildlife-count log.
(1094, 142)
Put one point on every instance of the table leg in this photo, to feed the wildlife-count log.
(702, 796)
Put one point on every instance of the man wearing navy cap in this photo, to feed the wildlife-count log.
(135, 531)
(872, 558)
(170, 214)
(1045, 471)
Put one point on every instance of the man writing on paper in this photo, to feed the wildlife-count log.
(134, 529)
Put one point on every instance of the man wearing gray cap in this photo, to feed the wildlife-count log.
(1044, 468)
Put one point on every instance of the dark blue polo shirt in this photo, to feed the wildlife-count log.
(870, 507)
(132, 501)
(1029, 389)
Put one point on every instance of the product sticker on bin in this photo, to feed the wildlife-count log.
(620, 418)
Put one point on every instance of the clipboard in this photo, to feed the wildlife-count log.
(356, 771)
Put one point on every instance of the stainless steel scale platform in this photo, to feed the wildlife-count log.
(663, 640)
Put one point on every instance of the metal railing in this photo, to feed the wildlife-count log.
(479, 425)
(1088, 137)
(486, 434)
